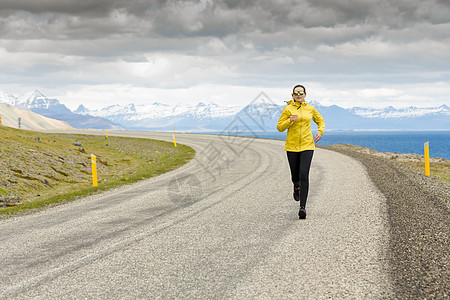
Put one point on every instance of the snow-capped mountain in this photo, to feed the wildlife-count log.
(160, 110)
(37, 100)
(33, 100)
(391, 112)
(8, 98)
(39, 103)
(260, 115)
(52, 108)
(163, 116)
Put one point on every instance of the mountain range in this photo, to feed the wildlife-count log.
(259, 115)
(52, 108)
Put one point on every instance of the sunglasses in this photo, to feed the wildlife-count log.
(298, 93)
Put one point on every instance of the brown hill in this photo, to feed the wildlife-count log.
(29, 120)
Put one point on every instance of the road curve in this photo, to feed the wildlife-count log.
(222, 226)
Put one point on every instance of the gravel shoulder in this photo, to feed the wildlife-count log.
(418, 215)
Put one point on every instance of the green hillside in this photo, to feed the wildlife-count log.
(38, 169)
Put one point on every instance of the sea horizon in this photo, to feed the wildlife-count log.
(394, 141)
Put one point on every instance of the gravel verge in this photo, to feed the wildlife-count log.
(418, 214)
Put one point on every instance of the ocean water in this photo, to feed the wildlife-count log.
(384, 141)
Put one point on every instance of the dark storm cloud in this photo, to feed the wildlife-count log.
(237, 31)
(175, 19)
(91, 7)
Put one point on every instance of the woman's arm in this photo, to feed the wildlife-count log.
(318, 119)
(284, 122)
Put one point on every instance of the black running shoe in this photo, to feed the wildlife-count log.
(296, 194)
(302, 213)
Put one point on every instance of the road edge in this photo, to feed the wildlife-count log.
(418, 226)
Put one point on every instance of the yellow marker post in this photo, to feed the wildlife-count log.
(106, 133)
(94, 170)
(0, 120)
(426, 149)
(174, 142)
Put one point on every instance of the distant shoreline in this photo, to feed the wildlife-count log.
(401, 142)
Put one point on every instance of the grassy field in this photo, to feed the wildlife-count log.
(39, 169)
(439, 167)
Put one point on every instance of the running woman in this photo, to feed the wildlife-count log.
(300, 144)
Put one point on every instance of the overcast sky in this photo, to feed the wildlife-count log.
(347, 52)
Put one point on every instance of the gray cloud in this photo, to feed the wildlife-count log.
(68, 19)
(83, 7)
(261, 42)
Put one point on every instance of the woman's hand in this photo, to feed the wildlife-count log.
(293, 118)
(317, 137)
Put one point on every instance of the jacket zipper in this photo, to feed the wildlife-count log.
(301, 123)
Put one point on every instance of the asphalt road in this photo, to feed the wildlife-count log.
(223, 226)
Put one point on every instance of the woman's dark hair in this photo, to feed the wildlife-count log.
(299, 85)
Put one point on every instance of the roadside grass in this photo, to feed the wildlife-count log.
(439, 167)
(441, 170)
(41, 169)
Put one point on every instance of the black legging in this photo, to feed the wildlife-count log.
(300, 162)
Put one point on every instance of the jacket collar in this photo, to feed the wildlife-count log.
(296, 104)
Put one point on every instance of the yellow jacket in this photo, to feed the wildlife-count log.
(299, 135)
